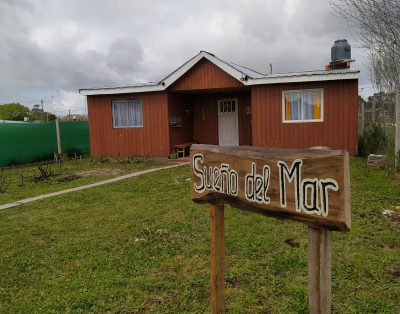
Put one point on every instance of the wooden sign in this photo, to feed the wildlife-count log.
(309, 185)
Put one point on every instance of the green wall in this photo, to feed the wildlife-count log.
(22, 143)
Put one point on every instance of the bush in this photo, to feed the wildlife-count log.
(374, 141)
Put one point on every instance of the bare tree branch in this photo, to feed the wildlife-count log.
(378, 25)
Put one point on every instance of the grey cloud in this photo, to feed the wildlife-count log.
(125, 56)
(122, 42)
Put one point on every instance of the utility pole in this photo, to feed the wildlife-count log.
(43, 114)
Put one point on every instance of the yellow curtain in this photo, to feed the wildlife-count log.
(317, 105)
(288, 115)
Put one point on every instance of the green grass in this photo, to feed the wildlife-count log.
(141, 245)
(16, 190)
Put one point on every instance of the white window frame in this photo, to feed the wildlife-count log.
(302, 95)
(126, 100)
(232, 101)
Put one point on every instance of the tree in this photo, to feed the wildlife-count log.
(378, 24)
(36, 110)
(14, 112)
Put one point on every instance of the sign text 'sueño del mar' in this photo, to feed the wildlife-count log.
(309, 185)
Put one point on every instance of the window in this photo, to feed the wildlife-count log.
(302, 106)
(127, 113)
(228, 105)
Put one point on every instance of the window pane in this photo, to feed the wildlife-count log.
(317, 105)
(127, 113)
(293, 106)
(308, 103)
(312, 105)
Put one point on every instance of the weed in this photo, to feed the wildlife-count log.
(45, 173)
(3, 182)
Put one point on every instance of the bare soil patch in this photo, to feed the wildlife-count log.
(100, 172)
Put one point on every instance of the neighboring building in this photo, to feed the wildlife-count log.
(212, 101)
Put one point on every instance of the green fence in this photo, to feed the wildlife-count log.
(22, 143)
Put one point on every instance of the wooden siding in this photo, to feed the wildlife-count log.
(205, 131)
(338, 130)
(152, 139)
(177, 104)
(205, 75)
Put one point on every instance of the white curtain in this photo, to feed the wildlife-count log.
(127, 113)
(295, 105)
(308, 96)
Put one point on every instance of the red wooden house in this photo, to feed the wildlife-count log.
(212, 101)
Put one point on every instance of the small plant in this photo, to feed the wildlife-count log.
(374, 141)
(173, 156)
(3, 182)
(45, 173)
(22, 181)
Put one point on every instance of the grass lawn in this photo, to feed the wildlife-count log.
(141, 245)
(89, 171)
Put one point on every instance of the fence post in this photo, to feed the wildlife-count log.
(217, 258)
(319, 270)
(58, 136)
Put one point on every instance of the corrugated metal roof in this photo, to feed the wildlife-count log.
(245, 70)
(310, 73)
(237, 71)
(126, 86)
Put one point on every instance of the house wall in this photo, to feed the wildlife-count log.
(177, 104)
(338, 130)
(205, 75)
(205, 117)
(152, 139)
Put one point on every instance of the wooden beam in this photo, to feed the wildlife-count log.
(319, 270)
(217, 258)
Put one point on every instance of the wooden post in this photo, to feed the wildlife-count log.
(397, 113)
(217, 258)
(362, 117)
(319, 270)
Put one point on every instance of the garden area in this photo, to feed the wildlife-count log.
(142, 246)
(21, 182)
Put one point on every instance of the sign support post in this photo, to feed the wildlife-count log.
(217, 258)
(319, 270)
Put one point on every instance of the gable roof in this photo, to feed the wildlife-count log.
(243, 74)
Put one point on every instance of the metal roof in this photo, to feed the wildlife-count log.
(309, 73)
(245, 75)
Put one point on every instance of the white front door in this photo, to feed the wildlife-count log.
(228, 129)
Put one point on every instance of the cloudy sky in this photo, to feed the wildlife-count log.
(51, 48)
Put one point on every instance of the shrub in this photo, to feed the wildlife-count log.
(373, 141)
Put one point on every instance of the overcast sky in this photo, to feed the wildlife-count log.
(51, 48)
